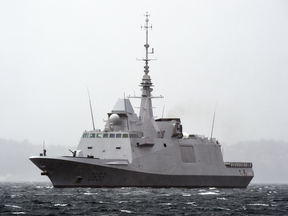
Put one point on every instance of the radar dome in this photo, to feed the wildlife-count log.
(114, 119)
(185, 135)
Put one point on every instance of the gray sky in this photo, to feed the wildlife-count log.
(232, 52)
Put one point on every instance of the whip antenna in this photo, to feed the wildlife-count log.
(91, 110)
(163, 111)
(213, 120)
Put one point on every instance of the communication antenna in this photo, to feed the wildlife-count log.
(213, 120)
(91, 110)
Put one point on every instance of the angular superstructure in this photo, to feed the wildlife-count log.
(141, 151)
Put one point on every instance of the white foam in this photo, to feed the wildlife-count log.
(13, 206)
(222, 198)
(123, 201)
(191, 203)
(126, 211)
(226, 209)
(186, 194)
(90, 193)
(208, 193)
(169, 194)
(166, 204)
(258, 204)
(61, 204)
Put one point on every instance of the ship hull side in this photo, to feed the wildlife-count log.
(68, 173)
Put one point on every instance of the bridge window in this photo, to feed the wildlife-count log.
(118, 135)
(85, 135)
(112, 135)
(105, 135)
(92, 135)
(125, 135)
(99, 135)
(133, 136)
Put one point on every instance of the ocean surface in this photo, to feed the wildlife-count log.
(42, 199)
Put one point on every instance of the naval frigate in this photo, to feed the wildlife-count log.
(142, 151)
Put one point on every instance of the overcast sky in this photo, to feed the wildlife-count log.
(233, 53)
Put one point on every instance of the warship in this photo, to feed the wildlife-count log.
(143, 151)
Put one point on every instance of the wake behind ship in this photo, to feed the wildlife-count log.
(141, 151)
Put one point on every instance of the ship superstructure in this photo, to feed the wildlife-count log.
(142, 151)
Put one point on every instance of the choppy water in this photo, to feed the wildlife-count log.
(43, 199)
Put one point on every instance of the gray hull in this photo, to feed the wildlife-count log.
(61, 174)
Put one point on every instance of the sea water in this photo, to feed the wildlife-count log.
(42, 199)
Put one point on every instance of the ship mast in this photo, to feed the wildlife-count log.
(146, 112)
(146, 84)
